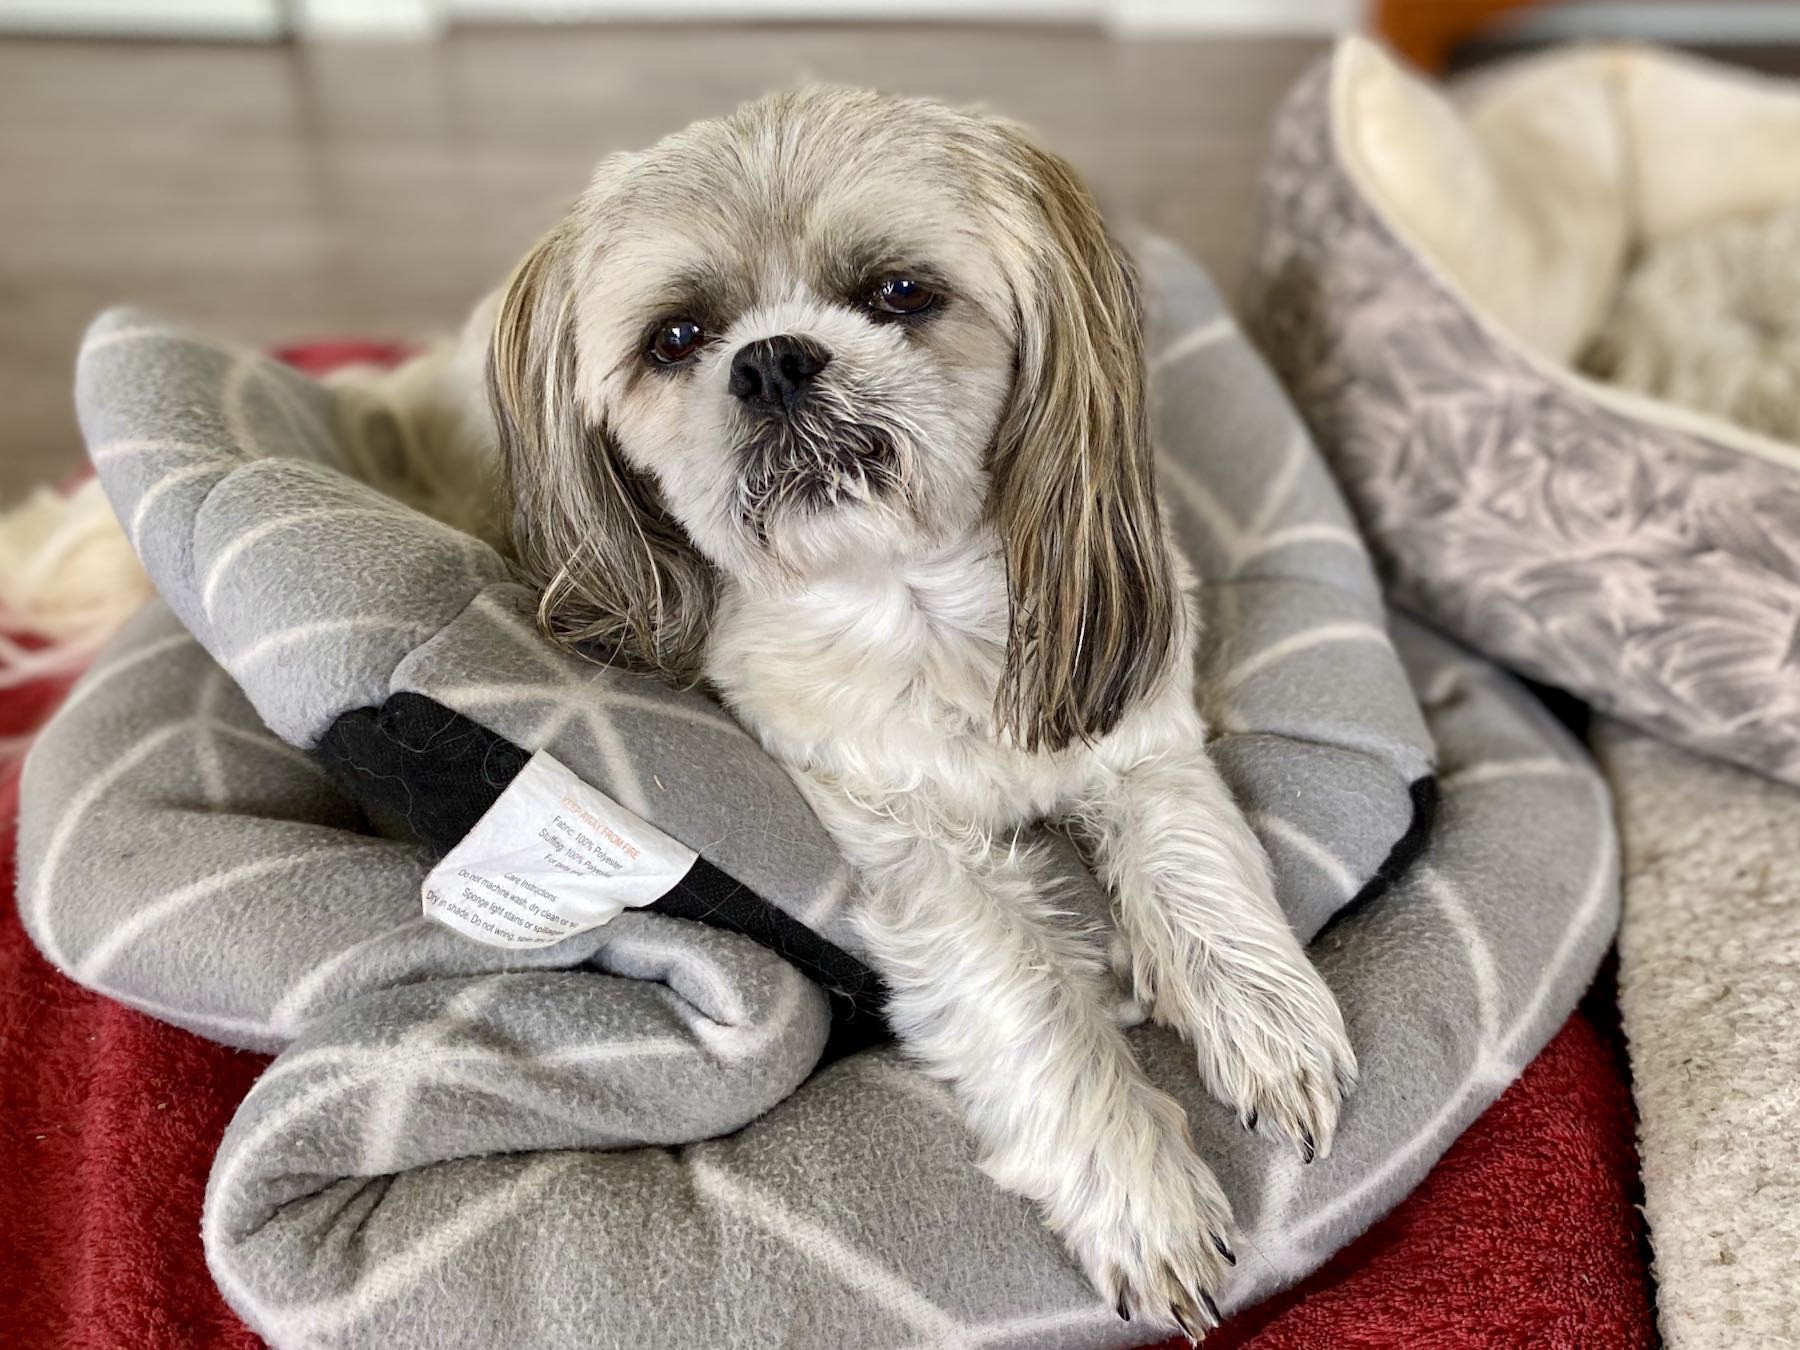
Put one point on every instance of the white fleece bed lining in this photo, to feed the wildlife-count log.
(1451, 147)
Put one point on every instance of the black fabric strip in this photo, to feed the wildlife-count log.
(1567, 708)
(423, 771)
(420, 770)
(1400, 858)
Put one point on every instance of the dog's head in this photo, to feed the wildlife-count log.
(838, 329)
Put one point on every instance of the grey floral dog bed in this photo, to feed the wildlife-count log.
(626, 1138)
(1434, 269)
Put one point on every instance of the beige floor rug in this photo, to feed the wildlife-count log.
(1709, 981)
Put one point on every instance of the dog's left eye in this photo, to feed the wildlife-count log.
(901, 296)
(675, 341)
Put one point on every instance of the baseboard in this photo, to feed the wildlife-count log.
(242, 20)
(1696, 22)
(1234, 16)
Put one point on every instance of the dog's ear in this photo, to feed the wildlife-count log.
(619, 577)
(1094, 601)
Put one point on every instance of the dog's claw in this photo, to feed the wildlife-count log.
(1212, 1308)
(1270, 1042)
(1186, 1323)
(1223, 1250)
(1159, 1236)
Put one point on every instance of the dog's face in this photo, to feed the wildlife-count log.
(797, 332)
(836, 329)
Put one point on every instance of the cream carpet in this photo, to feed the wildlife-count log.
(1709, 978)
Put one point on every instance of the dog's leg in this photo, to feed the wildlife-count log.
(995, 992)
(1209, 950)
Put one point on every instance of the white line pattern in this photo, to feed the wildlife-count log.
(1505, 770)
(92, 967)
(1417, 1154)
(1326, 634)
(240, 662)
(134, 529)
(98, 678)
(1192, 343)
(859, 1273)
(248, 539)
(402, 1272)
(1312, 850)
(37, 907)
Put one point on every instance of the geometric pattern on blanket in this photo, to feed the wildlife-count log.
(238, 482)
(1650, 569)
(436, 1161)
(451, 1148)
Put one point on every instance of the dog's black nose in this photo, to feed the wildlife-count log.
(774, 375)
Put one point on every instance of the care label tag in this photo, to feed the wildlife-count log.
(551, 858)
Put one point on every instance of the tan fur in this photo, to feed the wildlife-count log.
(1074, 492)
(616, 575)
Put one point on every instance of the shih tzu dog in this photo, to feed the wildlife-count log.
(838, 404)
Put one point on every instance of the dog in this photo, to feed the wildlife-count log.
(837, 405)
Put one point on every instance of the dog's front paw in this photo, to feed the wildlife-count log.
(1272, 1046)
(1148, 1223)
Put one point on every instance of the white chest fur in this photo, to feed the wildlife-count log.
(880, 682)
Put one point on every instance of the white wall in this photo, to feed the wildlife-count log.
(257, 20)
(421, 18)
(688, 11)
(1669, 20)
(1247, 16)
(1236, 16)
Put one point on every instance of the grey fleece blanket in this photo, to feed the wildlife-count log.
(620, 1140)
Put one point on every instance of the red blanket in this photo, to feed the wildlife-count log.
(1525, 1235)
(108, 1121)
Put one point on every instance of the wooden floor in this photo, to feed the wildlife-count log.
(301, 191)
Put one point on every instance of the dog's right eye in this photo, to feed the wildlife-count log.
(675, 341)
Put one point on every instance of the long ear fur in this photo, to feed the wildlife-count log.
(618, 576)
(1094, 600)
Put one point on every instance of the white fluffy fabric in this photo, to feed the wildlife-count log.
(1712, 321)
(68, 580)
(1709, 978)
(1532, 187)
